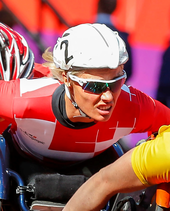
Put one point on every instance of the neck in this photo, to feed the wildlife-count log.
(73, 113)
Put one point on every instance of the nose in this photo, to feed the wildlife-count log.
(107, 95)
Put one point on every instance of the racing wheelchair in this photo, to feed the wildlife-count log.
(21, 181)
(25, 190)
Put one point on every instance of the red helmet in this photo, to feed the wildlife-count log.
(16, 58)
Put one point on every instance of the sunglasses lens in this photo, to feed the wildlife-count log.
(99, 87)
(95, 87)
(115, 86)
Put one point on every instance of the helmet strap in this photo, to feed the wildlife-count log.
(82, 114)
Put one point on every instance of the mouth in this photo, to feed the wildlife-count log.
(105, 108)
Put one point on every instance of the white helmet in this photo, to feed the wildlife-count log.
(89, 46)
(16, 58)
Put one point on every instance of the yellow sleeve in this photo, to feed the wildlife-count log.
(151, 160)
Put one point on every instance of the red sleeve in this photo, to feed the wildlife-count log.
(161, 116)
(152, 114)
(41, 71)
(8, 91)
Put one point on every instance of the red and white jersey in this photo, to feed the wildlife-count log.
(30, 106)
(39, 71)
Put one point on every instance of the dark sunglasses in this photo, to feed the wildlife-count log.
(99, 86)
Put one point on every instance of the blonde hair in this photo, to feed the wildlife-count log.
(56, 72)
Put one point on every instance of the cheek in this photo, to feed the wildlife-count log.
(116, 95)
(115, 98)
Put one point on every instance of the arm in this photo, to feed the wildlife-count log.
(8, 91)
(95, 193)
(152, 113)
(161, 115)
(143, 166)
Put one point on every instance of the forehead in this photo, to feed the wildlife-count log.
(98, 72)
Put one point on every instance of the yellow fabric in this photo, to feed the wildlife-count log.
(151, 160)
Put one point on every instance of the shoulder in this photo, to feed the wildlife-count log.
(128, 99)
(128, 92)
(132, 94)
(47, 84)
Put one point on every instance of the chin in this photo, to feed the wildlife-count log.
(102, 119)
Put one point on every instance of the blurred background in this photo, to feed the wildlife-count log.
(41, 22)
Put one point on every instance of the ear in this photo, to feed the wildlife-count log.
(66, 80)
